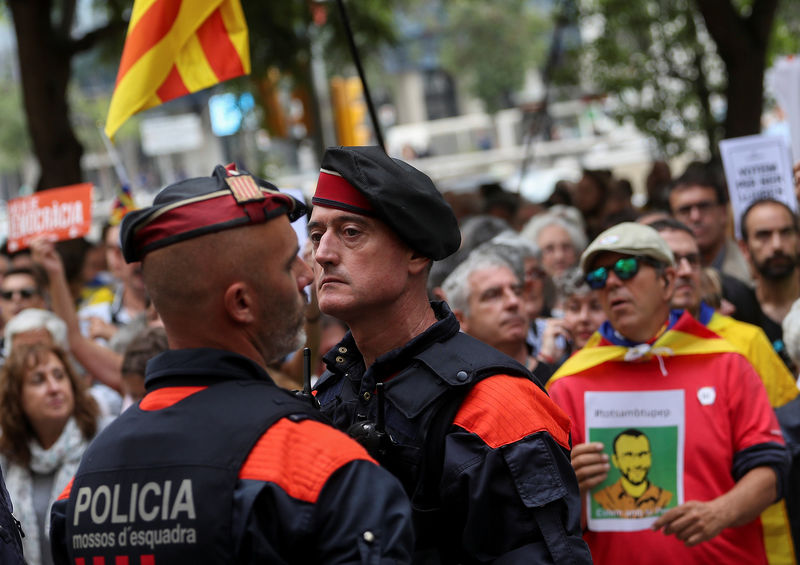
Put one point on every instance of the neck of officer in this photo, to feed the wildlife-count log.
(777, 296)
(226, 338)
(392, 326)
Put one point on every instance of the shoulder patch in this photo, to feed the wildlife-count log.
(300, 457)
(503, 409)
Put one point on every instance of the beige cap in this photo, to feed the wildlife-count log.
(631, 239)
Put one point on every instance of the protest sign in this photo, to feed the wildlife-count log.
(757, 167)
(62, 213)
(643, 436)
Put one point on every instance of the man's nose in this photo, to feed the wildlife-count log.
(324, 251)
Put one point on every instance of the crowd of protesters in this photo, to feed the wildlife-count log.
(552, 285)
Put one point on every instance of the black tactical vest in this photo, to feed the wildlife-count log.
(420, 403)
(158, 486)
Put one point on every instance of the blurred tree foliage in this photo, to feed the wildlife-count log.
(491, 45)
(14, 145)
(687, 67)
(48, 45)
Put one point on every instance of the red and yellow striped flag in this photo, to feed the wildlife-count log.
(175, 47)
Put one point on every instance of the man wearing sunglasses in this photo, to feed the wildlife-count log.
(20, 288)
(646, 364)
(751, 341)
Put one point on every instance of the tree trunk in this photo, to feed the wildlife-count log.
(745, 94)
(742, 45)
(45, 54)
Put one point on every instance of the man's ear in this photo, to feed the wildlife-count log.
(239, 303)
(417, 263)
(462, 320)
(743, 248)
(668, 280)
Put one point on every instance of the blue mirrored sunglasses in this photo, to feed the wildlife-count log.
(625, 268)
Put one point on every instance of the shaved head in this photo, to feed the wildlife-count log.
(244, 283)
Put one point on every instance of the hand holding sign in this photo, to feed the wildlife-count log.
(590, 465)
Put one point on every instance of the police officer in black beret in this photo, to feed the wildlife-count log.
(216, 464)
(480, 449)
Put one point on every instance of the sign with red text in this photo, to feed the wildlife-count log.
(62, 213)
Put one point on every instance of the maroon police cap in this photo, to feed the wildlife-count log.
(365, 180)
(199, 206)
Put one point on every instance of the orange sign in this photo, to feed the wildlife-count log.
(65, 213)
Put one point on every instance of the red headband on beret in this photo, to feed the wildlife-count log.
(333, 191)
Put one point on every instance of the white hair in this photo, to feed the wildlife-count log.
(456, 286)
(791, 332)
(35, 319)
(537, 223)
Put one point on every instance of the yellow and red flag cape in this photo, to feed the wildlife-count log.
(682, 336)
(176, 47)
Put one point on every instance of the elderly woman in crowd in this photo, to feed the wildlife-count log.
(560, 241)
(47, 420)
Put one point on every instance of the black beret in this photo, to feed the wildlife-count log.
(199, 206)
(393, 191)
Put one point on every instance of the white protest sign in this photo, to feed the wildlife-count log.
(757, 167)
(643, 434)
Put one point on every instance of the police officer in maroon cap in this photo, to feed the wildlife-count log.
(216, 464)
(480, 449)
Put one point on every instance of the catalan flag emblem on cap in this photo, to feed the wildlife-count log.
(244, 188)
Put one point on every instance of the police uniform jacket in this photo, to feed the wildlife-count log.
(218, 465)
(10, 542)
(480, 449)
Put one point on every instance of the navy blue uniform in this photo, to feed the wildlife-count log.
(498, 484)
(218, 465)
(10, 542)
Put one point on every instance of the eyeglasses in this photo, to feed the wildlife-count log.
(702, 208)
(22, 292)
(625, 268)
(535, 274)
(692, 258)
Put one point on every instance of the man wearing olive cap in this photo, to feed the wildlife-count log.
(715, 441)
(216, 464)
(480, 449)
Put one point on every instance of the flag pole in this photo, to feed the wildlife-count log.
(357, 60)
(119, 167)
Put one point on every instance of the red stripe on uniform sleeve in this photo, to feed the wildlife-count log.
(164, 397)
(504, 409)
(67, 489)
(300, 457)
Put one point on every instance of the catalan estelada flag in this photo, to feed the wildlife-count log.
(175, 47)
(123, 203)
